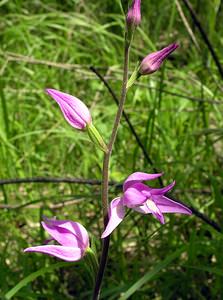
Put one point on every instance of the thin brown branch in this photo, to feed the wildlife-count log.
(54, 180)
(30, 205)
(187, 25)
(204, 36)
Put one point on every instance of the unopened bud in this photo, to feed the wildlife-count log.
(152, 62)
(134, 14)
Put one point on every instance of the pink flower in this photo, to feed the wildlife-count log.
(134, 13)
(72, 238)
(143, 199)
(152, 62)
(74, 110)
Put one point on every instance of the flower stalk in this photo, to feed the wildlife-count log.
(105, 173)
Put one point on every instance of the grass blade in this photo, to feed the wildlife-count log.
(149, 275)
(33, 276)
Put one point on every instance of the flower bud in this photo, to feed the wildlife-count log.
(74, 110)
(152, 62)
(134, 14)
(78, 116)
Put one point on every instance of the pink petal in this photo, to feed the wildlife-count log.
(167, 205)
(134, 195)
(74, 110)
(116, 215)
(64, 253)
(67, 233)
(155, 211)
(138, 177)
(162, 190)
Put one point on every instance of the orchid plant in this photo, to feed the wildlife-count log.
(71, 237)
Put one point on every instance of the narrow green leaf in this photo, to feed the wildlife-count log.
(213, 270)
(149, 275)
(33, 276)
(4, 110)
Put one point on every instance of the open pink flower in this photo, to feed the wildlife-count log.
(134, 13)
(152, 62)
(72, 238)
(143, 199)
(74, 110)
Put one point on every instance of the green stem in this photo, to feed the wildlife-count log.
(105, 175)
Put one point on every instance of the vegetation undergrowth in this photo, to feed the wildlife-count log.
(53, 44)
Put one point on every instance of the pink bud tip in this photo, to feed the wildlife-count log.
(152, 62)
(134, 13)
(74, 110)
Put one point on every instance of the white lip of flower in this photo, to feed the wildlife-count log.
(152, 206)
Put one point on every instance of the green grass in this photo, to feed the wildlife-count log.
(52, 44)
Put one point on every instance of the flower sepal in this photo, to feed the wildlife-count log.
(96, 138)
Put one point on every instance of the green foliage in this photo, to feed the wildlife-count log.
(177, 113)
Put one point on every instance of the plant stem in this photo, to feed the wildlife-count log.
(105, 175)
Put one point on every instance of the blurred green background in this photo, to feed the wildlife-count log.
(177, 113)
